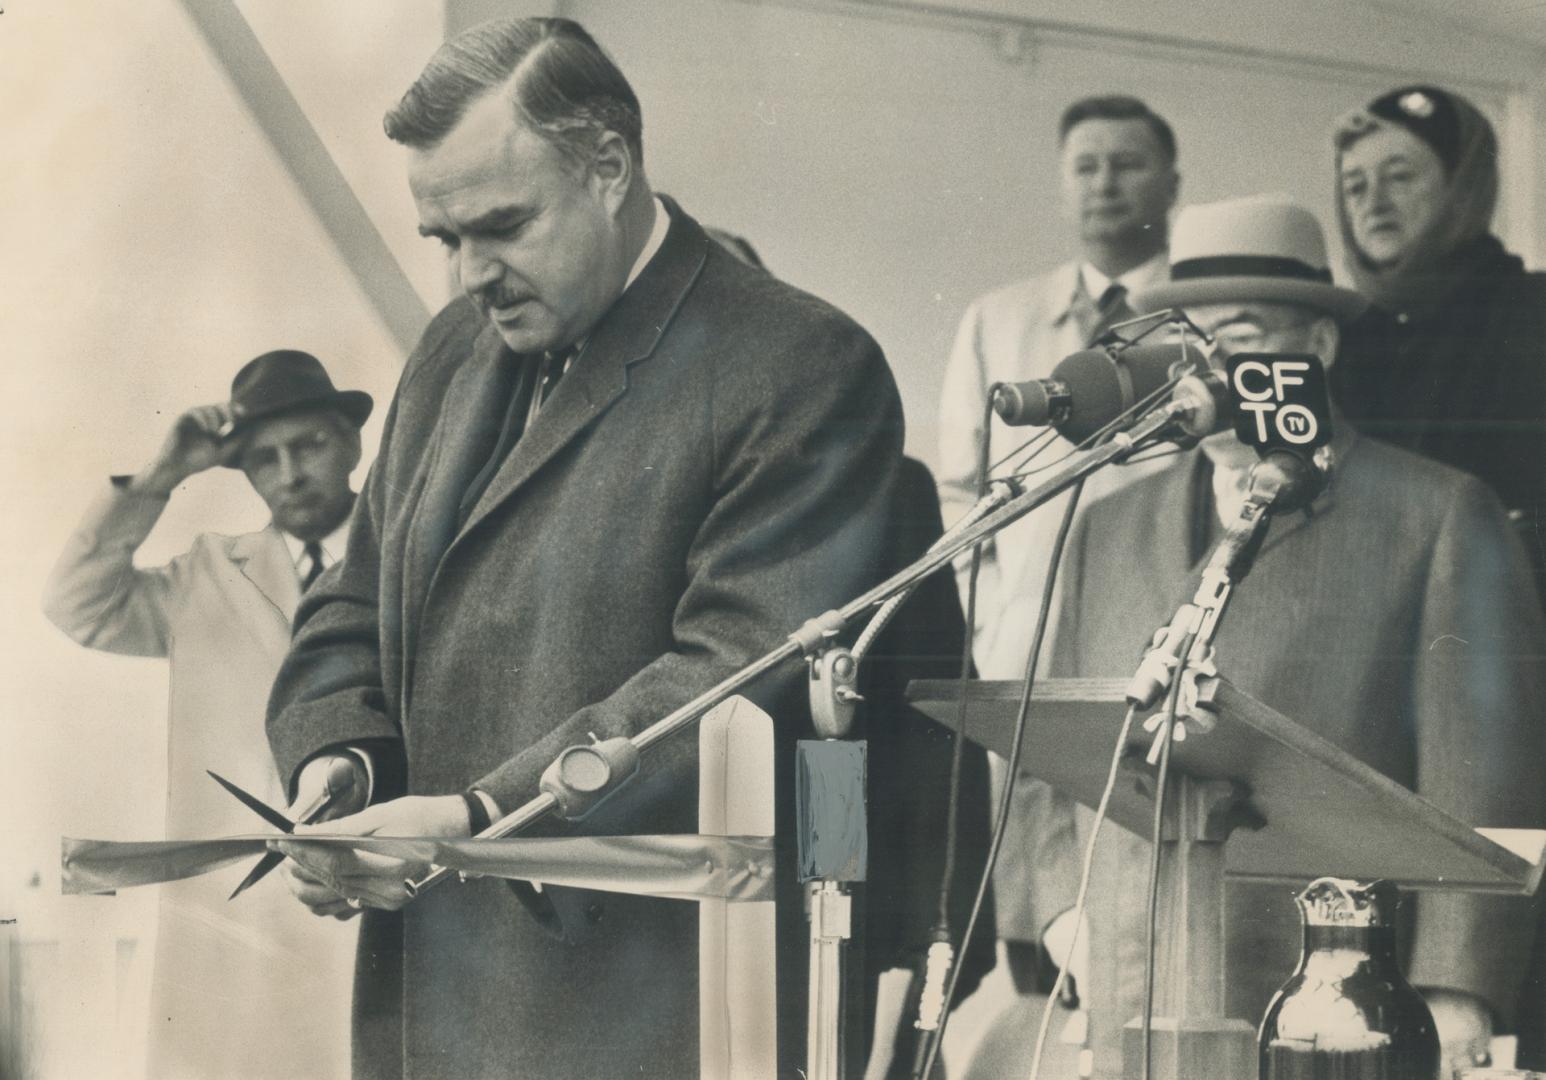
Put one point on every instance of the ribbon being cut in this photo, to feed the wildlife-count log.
(680, 867)
(673, 867)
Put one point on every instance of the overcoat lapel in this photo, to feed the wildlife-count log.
(598, 376)
(473, 407)
(1176, 497)
(264, 560)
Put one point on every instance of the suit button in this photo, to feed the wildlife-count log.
(593, 912)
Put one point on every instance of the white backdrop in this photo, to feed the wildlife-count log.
(894, 157)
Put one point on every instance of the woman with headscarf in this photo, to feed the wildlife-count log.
(1450, 358)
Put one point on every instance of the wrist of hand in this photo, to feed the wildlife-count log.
(351, 792)
(1464, 1022)
(1058, 938)
(482, 811)
(156, 480)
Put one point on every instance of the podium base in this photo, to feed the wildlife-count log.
(1204, 1048)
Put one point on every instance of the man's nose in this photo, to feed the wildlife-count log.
(476, 268)
(1379, 195)
(1105, 178)
(291, 473)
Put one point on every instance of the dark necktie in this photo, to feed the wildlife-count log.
(313, 552)
(537, 379)
(1110, 309)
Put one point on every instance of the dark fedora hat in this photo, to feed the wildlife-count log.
(281, 382)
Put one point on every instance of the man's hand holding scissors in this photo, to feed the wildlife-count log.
(342, 882)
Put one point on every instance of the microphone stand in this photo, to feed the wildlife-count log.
(582, 776)
(1181, 653)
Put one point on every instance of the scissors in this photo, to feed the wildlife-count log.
(339, 782)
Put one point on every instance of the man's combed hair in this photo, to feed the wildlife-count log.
(1118, 107)
(560, 82)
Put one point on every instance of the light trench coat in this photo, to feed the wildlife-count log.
(258, 986)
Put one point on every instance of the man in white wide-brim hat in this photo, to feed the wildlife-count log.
(1394, 618)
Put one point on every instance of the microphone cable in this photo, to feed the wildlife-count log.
(957, 753)
(1001, 818)
(1082, 896)
(929, 1048)
(1046, 437)
(1162, 776)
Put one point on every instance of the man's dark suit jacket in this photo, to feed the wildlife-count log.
(719, 464)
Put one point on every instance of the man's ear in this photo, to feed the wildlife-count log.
(612, 170)
(1325, 337)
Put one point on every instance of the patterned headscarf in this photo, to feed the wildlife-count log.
(1464, 141)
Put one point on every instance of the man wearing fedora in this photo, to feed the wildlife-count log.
(1395, 618)
(229, 978)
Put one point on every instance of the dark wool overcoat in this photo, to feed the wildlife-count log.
(719, 464)
(1462, 380)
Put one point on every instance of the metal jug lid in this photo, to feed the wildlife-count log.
(1332, 901)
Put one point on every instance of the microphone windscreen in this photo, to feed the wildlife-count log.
(1102, 384)
(1025, 404)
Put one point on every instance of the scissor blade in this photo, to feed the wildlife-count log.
(271, 859)
(256, 805)
(261, 867)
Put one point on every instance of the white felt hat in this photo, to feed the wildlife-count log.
(1262, 248)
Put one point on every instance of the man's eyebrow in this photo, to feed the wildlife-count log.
(500, 217)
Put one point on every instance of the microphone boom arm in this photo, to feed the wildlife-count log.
(810, 636)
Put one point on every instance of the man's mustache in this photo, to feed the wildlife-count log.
(498, 297)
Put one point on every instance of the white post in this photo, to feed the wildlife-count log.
(737, 1004)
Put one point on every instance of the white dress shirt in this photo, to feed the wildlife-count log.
(333, 545)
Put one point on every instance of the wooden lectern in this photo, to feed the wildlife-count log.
(1256, 797)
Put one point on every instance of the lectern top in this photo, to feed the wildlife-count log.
(1326, 812)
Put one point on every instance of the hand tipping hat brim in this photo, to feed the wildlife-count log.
(355, 405)
(1341, 304)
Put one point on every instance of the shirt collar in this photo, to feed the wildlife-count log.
(1087, 282)
(333, 545)
(1095, 283)
(658, 229)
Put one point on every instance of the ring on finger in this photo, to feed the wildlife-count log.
(355, 902)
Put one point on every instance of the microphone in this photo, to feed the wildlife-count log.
(1289, 480)
(1284, 480)
(1281, 482)
(1092, 387)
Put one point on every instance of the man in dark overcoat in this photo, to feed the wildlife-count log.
(621, 467)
